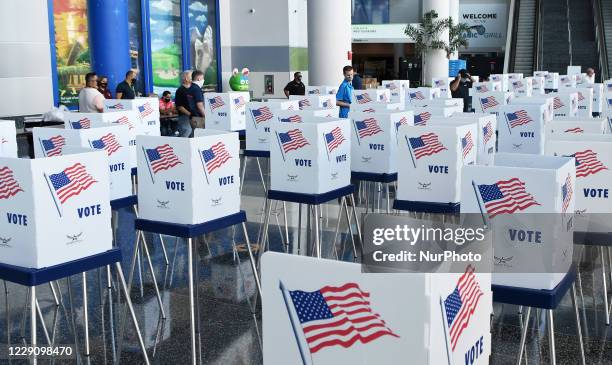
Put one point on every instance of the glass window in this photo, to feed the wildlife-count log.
(166, 53)
(202, 30)
(72, 48)
(135, 29)
(370, 11)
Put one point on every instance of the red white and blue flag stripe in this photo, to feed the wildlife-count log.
(367, 127)
(117, 106)
(518, 118)
(108, 142)
(125, 121)
(215, 156)
(162, 158)
(487, 132)
(363, 98)
(467, 144)
(84, 123)
(482, 88)
(587, 163)
(416, 95)
(566, 193)
(557, 103)
(304, 102)
(334, 139)
(8, 185)
(574, 130)
(506, 197)
(53, 146)
(488, 102)
(262, 114)
(291, 119)
(422, 118)
(292, 140)
(401, 122)
(239, 102)
(71, 182)
(337, 316)
(461, 304)
(426, 145)
(216, 102)
(145, 110)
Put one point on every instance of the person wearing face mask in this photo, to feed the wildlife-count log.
(460, 88)
(166, 106)
(125, 89)
(103, 87)
(345, 92)
(189, 101)
(295, 87)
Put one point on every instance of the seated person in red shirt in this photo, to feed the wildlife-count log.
(166, 105)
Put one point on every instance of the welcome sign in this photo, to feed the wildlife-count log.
(54, 210)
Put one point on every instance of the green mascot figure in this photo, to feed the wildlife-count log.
(239, 81)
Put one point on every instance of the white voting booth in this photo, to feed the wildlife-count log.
(374, 140)
(311, 157)
(593, 161)
(376, 107)
(314, 102)
(585, 102)
(8, 138)
(397, 90)
(112, 139)
(146, 108)
(188, 180)
(551, 80)
(421, 95)
(259, 115)
(58, 209)
(522, 87)
(538, 85)
(225, 111)
(408, 324)
(503, 79)
(521, 128)
(598, 96)
(439, 111)
(436, 156)
(129, 118)
(548, 101)
(567, 81)
(321, 90)
(366, 96)
(442, 83)
(485, 86)
(520, 183)
(576, 126)
(565, 103)
(487, 124)
(490, 102)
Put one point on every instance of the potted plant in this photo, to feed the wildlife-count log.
(456, 37)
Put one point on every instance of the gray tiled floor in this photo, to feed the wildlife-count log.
(228, 327)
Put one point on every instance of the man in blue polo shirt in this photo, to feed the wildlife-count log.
(345, 92)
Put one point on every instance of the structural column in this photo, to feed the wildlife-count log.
(109, 41)
(329, 40)
(435, 63)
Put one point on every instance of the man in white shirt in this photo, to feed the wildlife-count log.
(90, 99)
(590, 75)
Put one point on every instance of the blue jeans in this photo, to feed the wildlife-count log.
(184, 126)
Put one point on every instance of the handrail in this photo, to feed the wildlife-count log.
(569, 32)
(600, 39)
(538, 44)
(509, 37)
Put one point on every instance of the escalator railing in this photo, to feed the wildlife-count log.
(600, 39)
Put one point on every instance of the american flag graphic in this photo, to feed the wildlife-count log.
(239, 102)
(290, 107)
(303, 103)
(367, 127)
(426, 145)
(8, 185)
(3, 140)
(145, 110)
(117, 106)
(391, 86)
(108, 142)
(439, 83)
(574, 130)
(609, 86)
(587, 163)
(215, 156)
(422, 118)
(84, 123)
(292, 140)
(382, 97)
(488, 102)
(610, 102)
(369, 110)
(262, 114)
(519, 117)
(517, 84)
(557, 104)
(506, 196)
(401, 122)
(329, 104)
(314, 92)
(291, 119)
(566, 193)
(53, 146)
(71, 182)
(482, 89)
(125, 121)
(216, 102)
(337, 316)
(487, 132)
(334, 139)
(162, 158)
(461, 304)
(416, 95)
(467, 144)
(580, 96)
(363, 98)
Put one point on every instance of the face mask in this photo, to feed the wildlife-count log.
(167, 100)
(200, 83)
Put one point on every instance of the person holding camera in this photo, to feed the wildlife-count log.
(460, 88)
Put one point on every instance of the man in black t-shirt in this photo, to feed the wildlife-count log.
(460, 88)
(295, 87)
(125, 89)
(189, 101)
